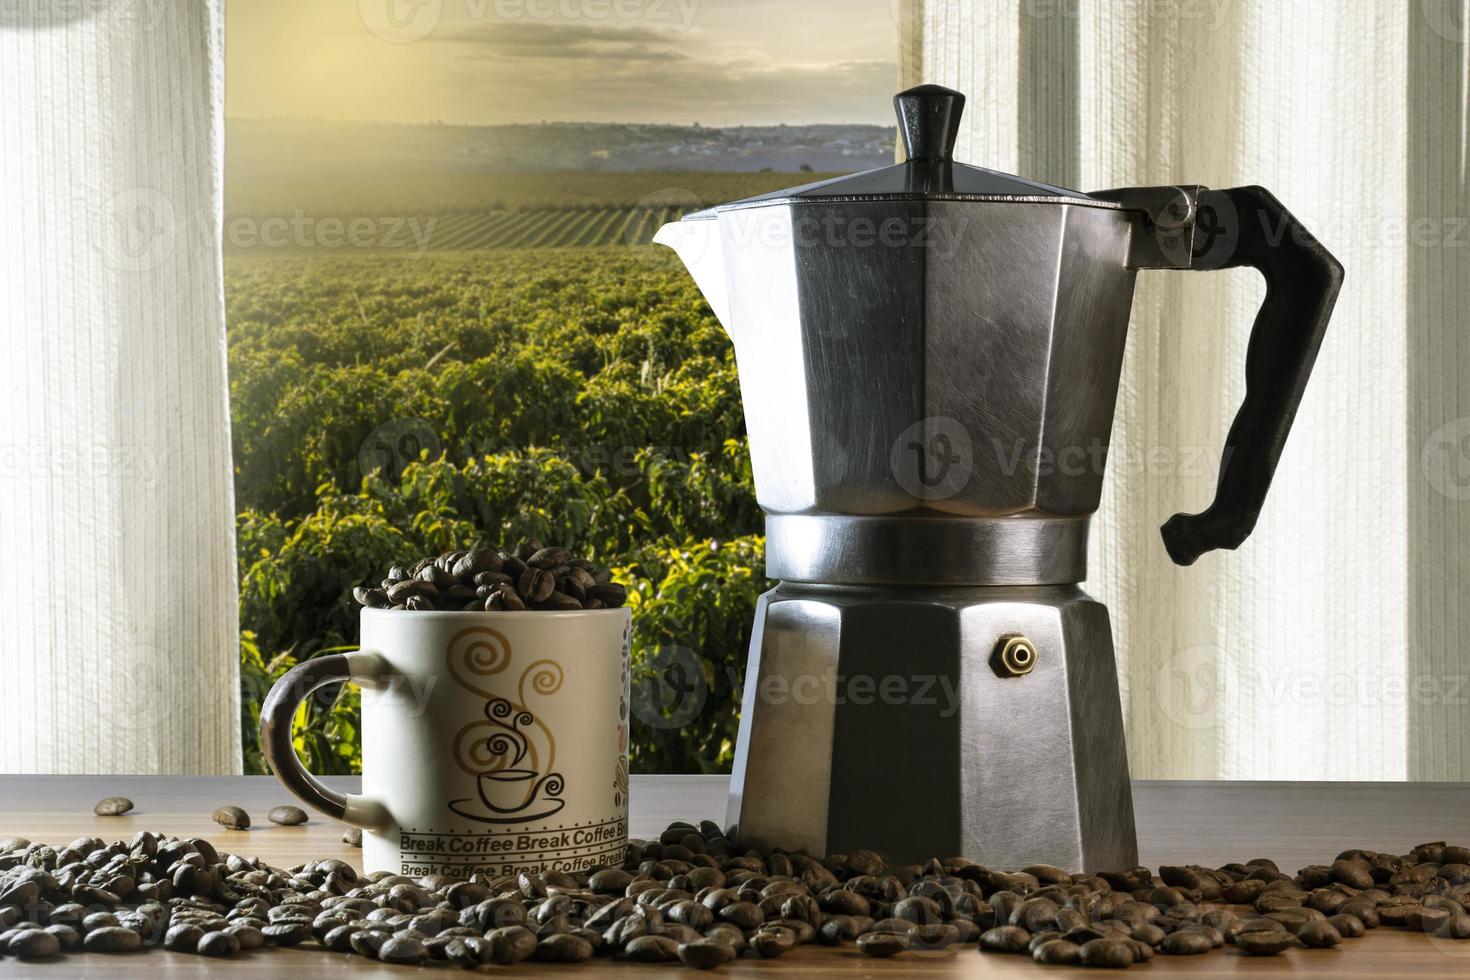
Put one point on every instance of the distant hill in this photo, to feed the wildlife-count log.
(267, 148)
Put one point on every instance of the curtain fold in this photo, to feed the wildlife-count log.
(119, 651)
(1331, 645)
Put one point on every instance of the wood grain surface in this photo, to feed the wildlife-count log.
(1178, 822)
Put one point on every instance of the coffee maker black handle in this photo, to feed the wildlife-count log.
(1247, 226)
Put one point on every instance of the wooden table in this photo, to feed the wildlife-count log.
(1200, 823)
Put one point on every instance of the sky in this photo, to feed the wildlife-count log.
(716, 62)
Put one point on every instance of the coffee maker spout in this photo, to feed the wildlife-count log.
(697, 241)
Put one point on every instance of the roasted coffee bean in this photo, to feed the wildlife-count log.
(505, 599)
(32, 944)
(183, 938)
(694, 888)
(561, 601)
(549, 558)
(372, 598)
(113, 806)
(111, 939)
(882, 944)
(405, 949)
(705, 954)
(367, 942)
(1005, 939)
(651, 949)
(535, 585)
(286, 933)
(1110, 953)
(838, 929)
(352, 836)
(609, 594)
(1179, 877)
(511, 944)
(1319, 935)
(66, 936)
(233, 817)
(287, 816)
(219, 944)
(1267, 942)
(770, 942)
(1186, 942)
(1057, 952)
(1350, 926)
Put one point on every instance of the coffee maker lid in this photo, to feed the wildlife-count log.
(928, 122)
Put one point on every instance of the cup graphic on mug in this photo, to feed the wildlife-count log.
(493, 742)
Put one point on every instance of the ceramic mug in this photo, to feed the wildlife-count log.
(492, 742)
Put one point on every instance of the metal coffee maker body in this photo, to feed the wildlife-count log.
(929, 358)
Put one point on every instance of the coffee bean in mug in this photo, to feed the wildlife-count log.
(529, 576)
(493, 742)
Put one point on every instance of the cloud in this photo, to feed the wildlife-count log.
(535, 41)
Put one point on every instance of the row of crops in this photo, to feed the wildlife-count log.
(550, 229)
(464, 230)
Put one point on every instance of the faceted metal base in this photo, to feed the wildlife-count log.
(887, 719)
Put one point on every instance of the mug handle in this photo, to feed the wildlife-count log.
(285, 696)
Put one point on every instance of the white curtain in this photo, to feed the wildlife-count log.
(1335, 644)
(119, 646)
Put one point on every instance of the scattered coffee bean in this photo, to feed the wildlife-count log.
(1110, 953)
(1319, 935)
(511, 944)
(772, 941)
(1265, 943)
(1057, 952)
(33, 944)
(1186, 942)
(352, 836)
(697, 896)
(113, 806)
(248, 936)
(882, 944)
(651, 949)
(1005, 939)
(232, 817)
(563, 947)
(705, 954)
(112, 939)
(403, 949)
(183, 938)
(287, 816)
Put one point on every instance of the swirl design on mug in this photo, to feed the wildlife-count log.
(475, 654)
(504, 753)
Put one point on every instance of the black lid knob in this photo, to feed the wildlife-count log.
(929, 121)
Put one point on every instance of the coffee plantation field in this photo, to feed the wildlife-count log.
(391, 405)
(348, 192)
(479, 211)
